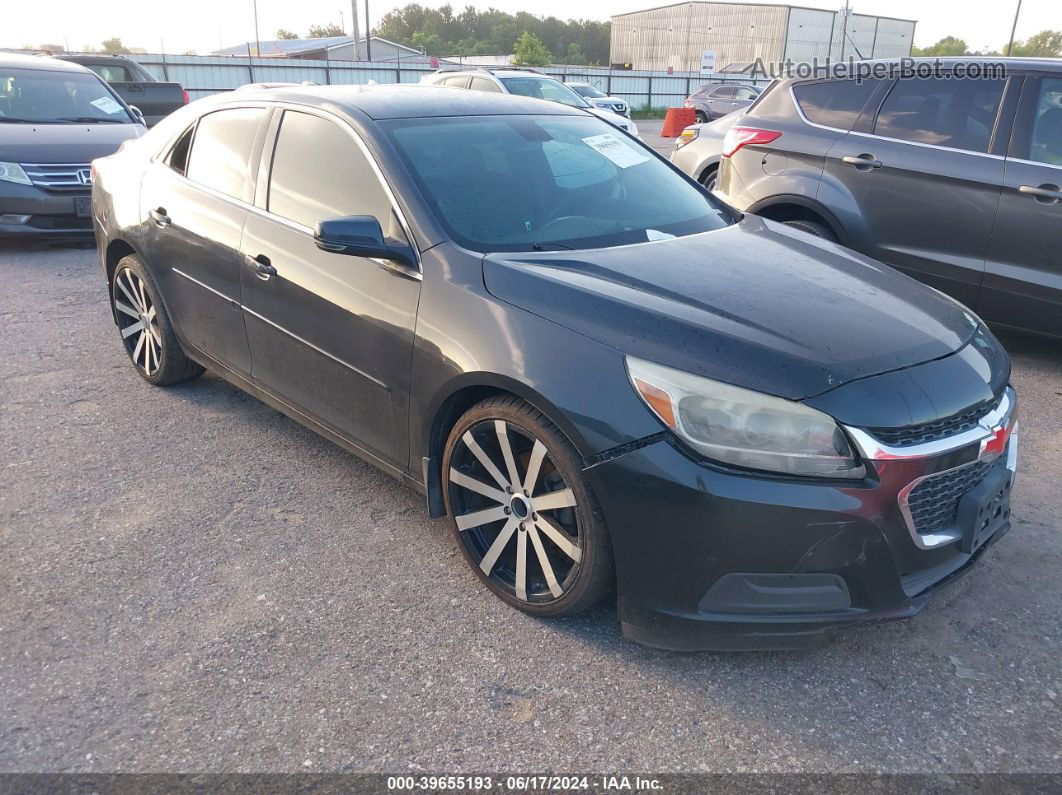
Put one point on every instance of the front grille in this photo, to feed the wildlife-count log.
(932, 431)
(933, 504)
(60, 176)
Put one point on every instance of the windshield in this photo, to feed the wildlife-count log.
(544, 88)
(40, 96)
(519, 183)
(585, 90)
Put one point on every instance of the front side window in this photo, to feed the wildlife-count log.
(112, 73)
(320, 173)
(834, 103)
(221, 152)
(742, 92)
(46, 96)
(543, 88)
(549, 182)
(723, 92)
(959, 114)
(1046, 146)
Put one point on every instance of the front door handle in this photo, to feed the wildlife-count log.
(158, 215)
(1045, 194)
(862, 162)
(261, 266)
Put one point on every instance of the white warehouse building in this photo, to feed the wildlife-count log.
(675, 36)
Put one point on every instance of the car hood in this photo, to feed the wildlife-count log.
(63, 143)
(755, 304)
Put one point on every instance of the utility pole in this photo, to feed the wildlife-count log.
(257, 41)
(844, 28)
(368, 34)
(354, 26)
(1014, 28)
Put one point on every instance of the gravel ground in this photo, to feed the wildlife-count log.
(192, 582)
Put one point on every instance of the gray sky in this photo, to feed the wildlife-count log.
(205, 25)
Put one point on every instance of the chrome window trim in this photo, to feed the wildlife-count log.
(1023, 161)
(875, 450)
(929, 146)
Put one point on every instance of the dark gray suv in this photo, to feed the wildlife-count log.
(957, 182)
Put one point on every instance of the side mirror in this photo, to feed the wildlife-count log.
(361, 236)
(138, 115)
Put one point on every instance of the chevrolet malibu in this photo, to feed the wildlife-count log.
(602, 376)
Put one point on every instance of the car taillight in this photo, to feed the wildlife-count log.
(737, 137)
(185, 95)
(689, 102)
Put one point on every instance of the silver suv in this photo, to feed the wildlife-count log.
(525, 82)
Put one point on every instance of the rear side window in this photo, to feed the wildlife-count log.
(482, 84)
(112, 73)
(724, 92)
(177, 159)
(955, 113)
(456, 82)
(1046, 144)
(834, 103)
(221, 153)
(320, 173)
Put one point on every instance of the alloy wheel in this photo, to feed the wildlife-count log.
(515, 513)
(137, 321)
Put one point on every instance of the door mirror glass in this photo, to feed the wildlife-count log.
(360, 236)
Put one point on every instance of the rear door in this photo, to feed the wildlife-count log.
(924, 181)
(1023, 273)
(195, 203)
(330, 334)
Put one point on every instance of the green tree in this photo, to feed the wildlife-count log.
(575, 55)
(286, 34)
(531, 51)
(113, 45)
(427, 42)
(949, 45)
(324, 31)
(1045, 44)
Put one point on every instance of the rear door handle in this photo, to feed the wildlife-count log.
(158, 215)
(261, 266)
(1045, 194)
(862, 162)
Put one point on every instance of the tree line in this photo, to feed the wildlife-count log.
(1045, 44)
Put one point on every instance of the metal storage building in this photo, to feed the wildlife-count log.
(674, 36)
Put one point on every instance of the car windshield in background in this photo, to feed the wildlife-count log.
(588, 91)
(40, 96)
(544, 88)
(519, 183)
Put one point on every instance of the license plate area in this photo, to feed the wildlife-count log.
(985, 509)
(83, 206)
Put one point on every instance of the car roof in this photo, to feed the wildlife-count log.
(18, 61)
(1012, 64)
(414, 101)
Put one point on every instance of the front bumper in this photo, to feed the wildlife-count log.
(747, 561)
(51, 213)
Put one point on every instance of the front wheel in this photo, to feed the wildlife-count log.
(701, 117)
(527, 522)
(145, 327)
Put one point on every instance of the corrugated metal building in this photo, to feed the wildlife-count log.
(674, 36)
(336, 48)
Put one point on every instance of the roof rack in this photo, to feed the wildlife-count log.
(488, 69)
(514, 69)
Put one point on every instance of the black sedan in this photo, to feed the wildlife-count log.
(604, 377)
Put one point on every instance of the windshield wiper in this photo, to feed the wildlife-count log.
(542, 246)
(88, 120)
(15, 120)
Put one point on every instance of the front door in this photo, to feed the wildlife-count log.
(331, 334)
(1023, 274)
(194, 202)
(924, 181)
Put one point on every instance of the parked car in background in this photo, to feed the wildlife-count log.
(526, 83)
(957, 182)
(135, 84)
(699, 148)
(599, 372)
(55, 119)
(598, 98)
(713, 100)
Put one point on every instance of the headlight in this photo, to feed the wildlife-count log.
(689, 135)
(748, 429)
(12, 172)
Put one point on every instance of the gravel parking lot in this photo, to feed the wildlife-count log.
(192, 582)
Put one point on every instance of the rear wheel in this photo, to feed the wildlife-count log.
(527, 522)
(145, 327)
(708, 179)
(812, 228)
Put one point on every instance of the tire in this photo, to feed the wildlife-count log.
(701, 117)
(567, 559)
(813, 228)
(708, 179)
(157, 356)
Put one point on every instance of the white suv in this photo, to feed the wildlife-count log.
(525, 82)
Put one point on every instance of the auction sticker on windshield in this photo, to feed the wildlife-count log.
(107, 105)
(615, 150)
